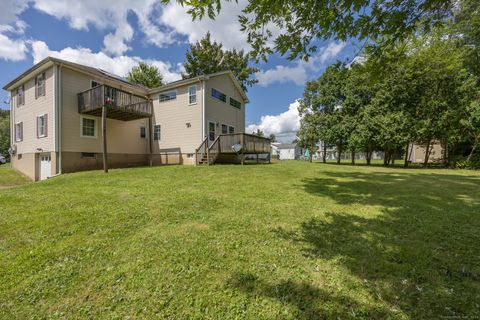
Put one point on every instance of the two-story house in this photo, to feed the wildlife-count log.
(67, 117)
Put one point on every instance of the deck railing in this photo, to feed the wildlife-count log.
(92, 100)
(248, 143)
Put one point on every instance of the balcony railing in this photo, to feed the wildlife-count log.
(121, 105)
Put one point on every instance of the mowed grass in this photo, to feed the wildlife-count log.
(290, 240)
(10, 178)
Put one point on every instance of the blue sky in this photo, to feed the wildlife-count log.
(117, 34)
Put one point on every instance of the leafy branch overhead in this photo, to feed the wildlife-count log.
(207, 56)
(293, 26)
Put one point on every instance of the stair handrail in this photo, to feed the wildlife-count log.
(202, 147)
(216, 150)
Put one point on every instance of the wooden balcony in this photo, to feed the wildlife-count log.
(121, 105)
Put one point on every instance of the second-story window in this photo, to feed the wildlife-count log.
(219, 95)
(167, 96)
(20, 96)
(235, 103)
(42, 126)
(40, 85)
(192, 94)
(19, 131)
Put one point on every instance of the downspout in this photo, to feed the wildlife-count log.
(59, 113)
(55, 111)
(12, 126)
(203, 110)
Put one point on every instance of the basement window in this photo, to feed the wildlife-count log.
(88, 155)
(189, 155)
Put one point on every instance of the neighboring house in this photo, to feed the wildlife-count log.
(416, 152)
(274, 147)
(331, 153)
(289, 151)
(57, 121)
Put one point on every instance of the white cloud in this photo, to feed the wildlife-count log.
(14, 50)
(284, 125)
(298, 73)
(225, 28)
(119, 65)
(331, 51)
(110, 15)
(283, 74)
(10, 9)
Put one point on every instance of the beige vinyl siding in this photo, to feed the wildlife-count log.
(222, 112)
(122, 136)
(173, 117)
(28, 114)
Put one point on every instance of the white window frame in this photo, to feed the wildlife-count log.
(229, 129)
(214, 130)
(94, 128)
(16, 132)
(192, 95)
(164, 92)
(45, 126)
(21, 103)
(154, 131)
(37, 86)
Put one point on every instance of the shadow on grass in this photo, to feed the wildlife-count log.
(307, 301)
(411, 239)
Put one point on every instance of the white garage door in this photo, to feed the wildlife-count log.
(45, 166)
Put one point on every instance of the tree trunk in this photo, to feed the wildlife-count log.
(394, 153)
(427, 153)
(339, 154)
(445, 154)
(474, 148)
(368, 156)
(324, 157)
(407, 156)
(353, 157)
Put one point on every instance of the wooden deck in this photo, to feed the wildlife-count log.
(223, 148)
(121, 105)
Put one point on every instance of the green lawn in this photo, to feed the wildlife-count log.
(9, 178)
(291, 240)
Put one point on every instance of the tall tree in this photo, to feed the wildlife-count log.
(207, 56)
(4, 132)
(307, 136)
(146, 75)
(304, 22)
(323, 98)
